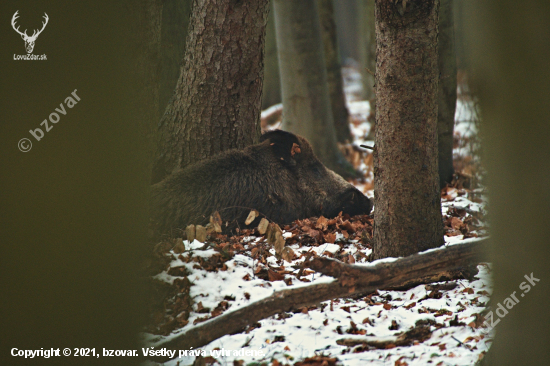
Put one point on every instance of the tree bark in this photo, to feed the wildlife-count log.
(271, 94)
(447, 92)
(353, 280)
(340, 112)
(306, 105)
(216, 104)
(174, 26)
(407, 200)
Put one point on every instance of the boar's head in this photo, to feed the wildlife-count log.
(324, 192)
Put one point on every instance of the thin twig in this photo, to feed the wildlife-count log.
(370, 72)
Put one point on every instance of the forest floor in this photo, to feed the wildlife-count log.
(196, 282)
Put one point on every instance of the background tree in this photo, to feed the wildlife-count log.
(447, 92)
(513, 95)
(217, 100)
(306, 104)
(407, 200)
(345, 15)
(271, 93)
(367, 49)
(340, 114)
(367, 46)
(461, 24)
(173, 33)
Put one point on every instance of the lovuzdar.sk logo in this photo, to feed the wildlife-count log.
(29, 40)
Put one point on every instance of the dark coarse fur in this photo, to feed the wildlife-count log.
(280, 177)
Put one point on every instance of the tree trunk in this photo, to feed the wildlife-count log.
(340, 112)
(460, 25)
(509, 60)
(272, 82)
(174, 25)
(216, 104)
(447, 92)
(345, 15)
(306, 104)
(367, 47)
(407, 200)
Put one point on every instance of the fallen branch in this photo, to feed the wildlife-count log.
(353, 280)
(419, 334)
(441, 264)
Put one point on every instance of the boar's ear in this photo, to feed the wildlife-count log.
(285, 145)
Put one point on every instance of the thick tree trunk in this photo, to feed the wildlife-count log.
(306, 104)
(408, 205)
(340, 112)
(272, 82)
(174, 25)
(216, 104)
(367, 47)
(510, 69)
(447, 92)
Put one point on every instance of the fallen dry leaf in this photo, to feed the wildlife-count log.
(251, 217)
(275, 276)
(200, 233)
(275, 238)
(262, 226)
(190, 231)
(216, 221)
(288, 254)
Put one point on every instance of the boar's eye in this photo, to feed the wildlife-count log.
(317, 170)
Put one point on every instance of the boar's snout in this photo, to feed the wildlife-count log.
(351, 202)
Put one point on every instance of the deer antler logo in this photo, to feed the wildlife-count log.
(29, 41)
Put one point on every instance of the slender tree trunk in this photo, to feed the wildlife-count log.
(272, 82)
(513, 95)
(408, 205)
(306, 104)
(345, 15)
(459, 20)
(216, 104)
(447, 92)
(174, 25)
(340, 112)
(367, 47)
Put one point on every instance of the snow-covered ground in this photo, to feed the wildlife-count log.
(452, 311)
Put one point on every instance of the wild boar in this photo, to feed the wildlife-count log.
(280, 177)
